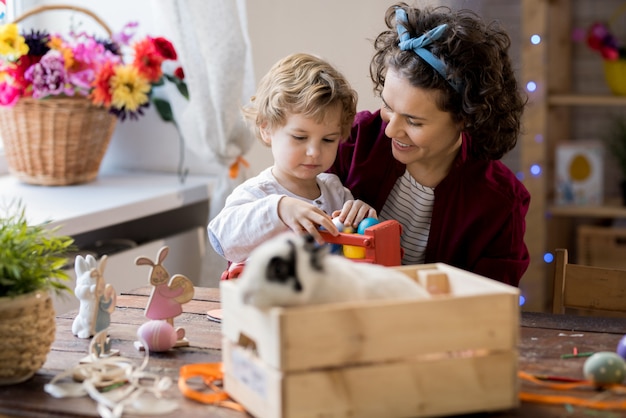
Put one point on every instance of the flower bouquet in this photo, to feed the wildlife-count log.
(600, 38)
(60, 97)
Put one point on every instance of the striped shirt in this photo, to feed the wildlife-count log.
(411, 204)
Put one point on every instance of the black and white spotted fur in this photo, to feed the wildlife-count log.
(291, 270)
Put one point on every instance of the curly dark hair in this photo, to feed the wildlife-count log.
(489, 103)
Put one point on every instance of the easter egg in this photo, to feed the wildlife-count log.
(605, 368)
(366, 223)
(621, 347)
(352, 251)
(338, 224)
(157, 335)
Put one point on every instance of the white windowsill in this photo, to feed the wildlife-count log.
(111, 199)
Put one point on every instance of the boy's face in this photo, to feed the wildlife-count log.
(303, 147)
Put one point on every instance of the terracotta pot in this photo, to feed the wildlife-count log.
(27, 329)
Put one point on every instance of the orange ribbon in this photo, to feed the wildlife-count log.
(211, 374)
(570, 400)
(233, 171)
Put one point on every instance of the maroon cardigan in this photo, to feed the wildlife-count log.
(478, 220)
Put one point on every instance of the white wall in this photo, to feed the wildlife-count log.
(341, 31)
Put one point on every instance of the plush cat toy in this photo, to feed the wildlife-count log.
(291, 269)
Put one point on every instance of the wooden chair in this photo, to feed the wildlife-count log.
(588, 290)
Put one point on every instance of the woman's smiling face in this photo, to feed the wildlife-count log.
(420, 132)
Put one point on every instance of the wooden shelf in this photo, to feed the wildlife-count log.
(586, 100)
(611, 210)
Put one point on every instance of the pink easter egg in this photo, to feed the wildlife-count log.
(158, 335)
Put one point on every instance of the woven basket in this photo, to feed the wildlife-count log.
(27, 329)
(58, 140)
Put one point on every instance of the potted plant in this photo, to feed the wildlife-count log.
(32, 261)
(615, 139)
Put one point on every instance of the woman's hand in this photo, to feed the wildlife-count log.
(300, 216)
(353, 212)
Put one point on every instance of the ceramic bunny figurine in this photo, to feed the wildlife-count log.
(97, 298)
(168, 295)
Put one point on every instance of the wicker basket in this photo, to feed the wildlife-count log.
(58, 140)
(27, 330)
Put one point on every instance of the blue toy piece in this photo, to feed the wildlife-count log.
(366, 223)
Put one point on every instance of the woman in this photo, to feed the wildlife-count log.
(429, 157)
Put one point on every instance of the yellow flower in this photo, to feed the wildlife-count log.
(130, 90)
(11, 43)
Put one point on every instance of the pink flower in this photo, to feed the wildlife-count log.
(609, 53)
(126, 34)
(8, 94)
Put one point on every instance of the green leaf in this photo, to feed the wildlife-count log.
(182, 88)
(164, 109)
(32, 256)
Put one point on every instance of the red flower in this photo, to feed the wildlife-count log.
(101, 94)
(148, 60)
(609, 53)
(165, 48)
(179, 73)
(17, 71)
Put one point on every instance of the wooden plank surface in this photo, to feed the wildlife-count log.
(30, 400)
(543, 338)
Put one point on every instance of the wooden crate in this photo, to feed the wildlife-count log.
(600, 246)
(451, 354)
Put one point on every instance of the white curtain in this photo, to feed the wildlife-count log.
(211, 38)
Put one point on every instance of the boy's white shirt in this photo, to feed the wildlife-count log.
(250, 215)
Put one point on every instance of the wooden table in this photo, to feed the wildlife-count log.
(544, 337)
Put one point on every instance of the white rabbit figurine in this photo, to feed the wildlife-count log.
(291, 269)
(97, 298)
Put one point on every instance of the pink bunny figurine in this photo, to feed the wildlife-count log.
(168, 295)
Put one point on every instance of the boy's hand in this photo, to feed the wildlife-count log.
(300, 216)
(353, 212)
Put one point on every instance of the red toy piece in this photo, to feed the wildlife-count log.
(381, 243)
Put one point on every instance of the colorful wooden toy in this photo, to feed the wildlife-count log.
(352, 251)
(168, 294)
(381, 243)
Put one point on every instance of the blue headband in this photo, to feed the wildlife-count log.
(418, 45)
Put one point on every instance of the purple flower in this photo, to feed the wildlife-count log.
(48, 76)
(126, 34)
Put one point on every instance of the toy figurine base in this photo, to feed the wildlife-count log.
(184, 342)
(89, 359)
(215, 315)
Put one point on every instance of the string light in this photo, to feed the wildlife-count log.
(535, 170)
(548, 257)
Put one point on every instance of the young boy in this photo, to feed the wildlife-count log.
(302, 110)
